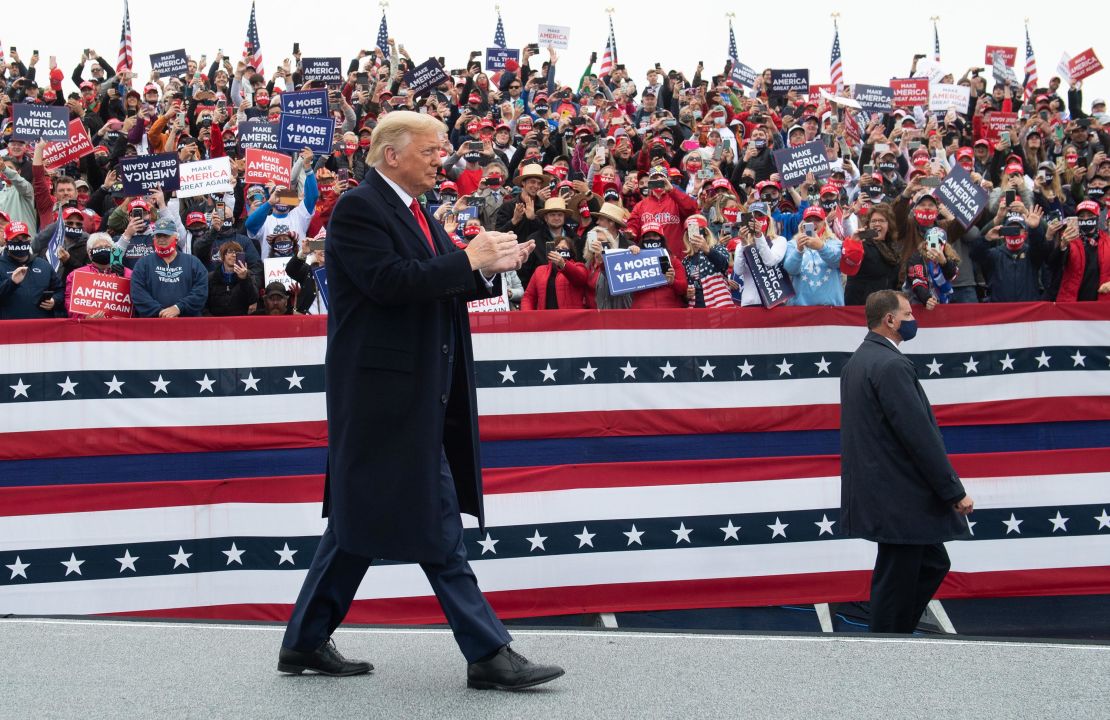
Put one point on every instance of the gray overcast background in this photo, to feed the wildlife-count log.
(877, 39)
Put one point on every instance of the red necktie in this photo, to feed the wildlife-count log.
(423, 223)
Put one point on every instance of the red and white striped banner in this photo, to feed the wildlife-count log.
(633, 460)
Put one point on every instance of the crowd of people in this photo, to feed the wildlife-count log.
(616, 161)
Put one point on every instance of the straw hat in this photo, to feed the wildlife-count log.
(534, 170)
(558, 204)
(614, 212)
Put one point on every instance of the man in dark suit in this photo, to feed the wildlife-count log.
(897, 487)
(402, 413)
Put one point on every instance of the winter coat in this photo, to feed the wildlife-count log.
(1012, 276)
(897, 484)
(229, 296)
(571, 287)
(21, 301)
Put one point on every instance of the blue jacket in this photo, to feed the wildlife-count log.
(21, 302)
(815, 273)
(789, 222)
(155, 285)
(1012, 277)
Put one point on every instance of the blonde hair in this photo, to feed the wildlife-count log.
(710, 238)
(396, 130)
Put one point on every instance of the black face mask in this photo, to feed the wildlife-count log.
(652, 244)
(541, 109)
(448, 199)
(74, 234)
(828, 206)
(472, 157)
(888, 167)
(566, 255)
(101, 255)
(1088, 227)
(645, 191)
(658, 152)
(759, 143)
(19, 251)
(1096, 194)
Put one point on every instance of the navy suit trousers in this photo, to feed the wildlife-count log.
(334, 577)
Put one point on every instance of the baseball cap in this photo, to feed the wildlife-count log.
(16, 229)
(164, 226)
(195, 218)
(276, 289)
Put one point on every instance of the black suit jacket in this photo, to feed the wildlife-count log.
(399, 377)
(897, 485)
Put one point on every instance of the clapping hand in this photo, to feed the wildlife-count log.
(496, 252)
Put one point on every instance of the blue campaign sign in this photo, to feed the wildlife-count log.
(628, 273)
(313, 103)
(321, 275)
(496, 57)
(31, 121)
(297, 132)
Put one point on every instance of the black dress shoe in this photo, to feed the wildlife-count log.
(509, 670)
(326, 660)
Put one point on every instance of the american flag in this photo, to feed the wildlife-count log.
(936, 42)
(252, 46)
(732, 53)
(499, 34)
(383, 39)
(125, 60)
(609, 57)
(633, 460)
(836, 70)
(1030, 67)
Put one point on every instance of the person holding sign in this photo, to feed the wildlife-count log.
(102, 261)
(607, 234)
(560, 284)
(403, 452)
(760, 231)
(813, 262)
(285, 208)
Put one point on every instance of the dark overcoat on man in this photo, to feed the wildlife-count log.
(399, 376)
(897, 485)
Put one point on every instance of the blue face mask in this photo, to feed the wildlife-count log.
(907, 330)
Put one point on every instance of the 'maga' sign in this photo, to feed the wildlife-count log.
(143, 173)
(34, 122)
(795, 163)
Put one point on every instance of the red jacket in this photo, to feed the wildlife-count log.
(1075, 264)
(670, 211)
(45, 203)
(571, 287)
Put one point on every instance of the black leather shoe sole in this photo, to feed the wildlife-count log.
(292, 669)
(491, 685)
